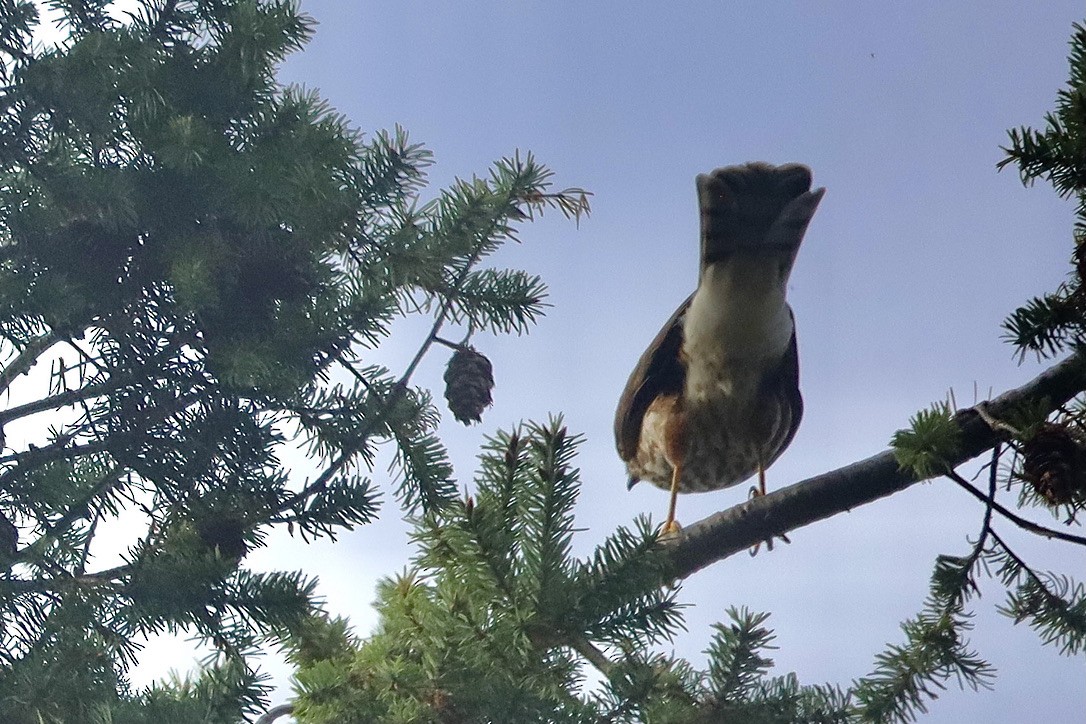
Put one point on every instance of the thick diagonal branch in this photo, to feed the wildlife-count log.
(26, 359)
(55, 402)
(735, 530)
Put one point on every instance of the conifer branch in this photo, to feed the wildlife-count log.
(26, 358)
(61, 399)
(1018, 520)
(735, 530)
(65, 581)
(593, 655)
(274, 713)
(1054, 606)
(986, 526)
(1030, 573)
(38, 456)
(347, 453)
(62, 449)
(79, 509)
(484, 239)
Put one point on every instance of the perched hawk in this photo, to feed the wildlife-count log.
(715, 398)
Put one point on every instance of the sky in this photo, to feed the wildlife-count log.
(918, 251)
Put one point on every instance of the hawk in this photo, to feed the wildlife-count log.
(715, 397)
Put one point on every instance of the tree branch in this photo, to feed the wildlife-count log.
(593, 655)
(26, 359)
(61, 399)
(274, 713)
(65, 581)
(734, 530)
(1018, 520)
(38, 456)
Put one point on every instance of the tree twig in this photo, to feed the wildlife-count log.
(76, 511)
(993, 479)
(986, 524)
(1021, 563)
(735, 530)
(1018, 520)
(447, 343)
(65, 581)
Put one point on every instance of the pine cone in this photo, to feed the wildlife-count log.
(1054, 463)
(224, 533)
(469, 378)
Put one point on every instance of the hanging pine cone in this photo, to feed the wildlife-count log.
(1054, 463)
(469, 378)
(225, 533)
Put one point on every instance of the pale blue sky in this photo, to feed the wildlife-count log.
(917, 253)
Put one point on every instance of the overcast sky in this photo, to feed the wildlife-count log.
(918, 251)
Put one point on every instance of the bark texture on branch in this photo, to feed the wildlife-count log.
(276, 712)
(737, 529)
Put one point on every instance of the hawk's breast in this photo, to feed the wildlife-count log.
(725, 436)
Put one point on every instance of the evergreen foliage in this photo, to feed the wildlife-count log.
(1048, 465)
(1048, 324)
(498, 622)
(932, 439)
(192, 260)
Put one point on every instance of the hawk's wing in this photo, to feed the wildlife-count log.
(659, 372)
(784, 380)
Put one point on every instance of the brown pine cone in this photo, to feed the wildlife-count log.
(469, 378)
(224, 533)
(1054, 463)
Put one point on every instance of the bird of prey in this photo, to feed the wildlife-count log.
(715, 397)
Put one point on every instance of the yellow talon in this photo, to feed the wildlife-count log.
(671, 529)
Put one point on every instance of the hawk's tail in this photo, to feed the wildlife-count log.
(754, 205)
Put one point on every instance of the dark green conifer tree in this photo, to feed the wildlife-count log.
(189, 254)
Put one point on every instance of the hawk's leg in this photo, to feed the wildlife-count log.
(759, 492)
(672, 526)
(675, 454)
